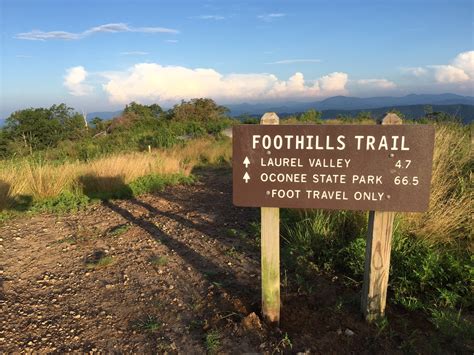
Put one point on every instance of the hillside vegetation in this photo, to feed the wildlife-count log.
(53, 162)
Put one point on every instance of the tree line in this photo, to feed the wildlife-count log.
(33, 130)
(59, 132)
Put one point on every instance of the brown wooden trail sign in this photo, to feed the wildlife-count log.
(351, 167)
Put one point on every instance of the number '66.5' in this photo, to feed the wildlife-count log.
(405, 180)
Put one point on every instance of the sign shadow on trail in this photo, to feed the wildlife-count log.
(198, 262)
(114, 187)
(212, 197)
(204, 227)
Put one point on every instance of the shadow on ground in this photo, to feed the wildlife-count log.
(104, 187)
(214, 203)
(17, 203)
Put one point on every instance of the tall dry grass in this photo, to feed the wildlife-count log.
(42, 180)
(449, 218)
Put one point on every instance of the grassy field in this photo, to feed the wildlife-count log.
(29, 183)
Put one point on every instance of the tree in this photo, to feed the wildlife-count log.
(40, 128)
(363, 116)
(98, 123)
(310, 116)
(153, 111)
(201, 110)
(34, 128)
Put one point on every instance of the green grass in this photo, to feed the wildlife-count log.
(156, 183)
(148, 323)
(119, 230)
(72, 240)
(212, 341)
(68, 202)
(159, 260)
(452, 325)
(101, 262)
(423, 276)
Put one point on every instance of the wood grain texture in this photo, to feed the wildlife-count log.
(377, 255)
(377, 264)
(270, 249)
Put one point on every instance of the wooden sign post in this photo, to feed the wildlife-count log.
(377, 255)
(382, 169)
(270, 245)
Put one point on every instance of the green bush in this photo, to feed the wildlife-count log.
(63, 203)
(156, 183)
(422, 276)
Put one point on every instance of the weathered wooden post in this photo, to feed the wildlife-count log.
(377, 255)
(270, 249)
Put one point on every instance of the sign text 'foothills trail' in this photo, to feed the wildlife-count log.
(352, 167)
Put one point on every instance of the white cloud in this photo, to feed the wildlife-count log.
(37, 35)
(465, 61)
(270, 17)
(171, 41)
(449, 74)
(334, 82)
(376, 83)
(153, 82)
(74, 81)
(460, 70)
(107, 28)
(292, 61)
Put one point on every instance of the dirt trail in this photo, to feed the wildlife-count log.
(163, 272)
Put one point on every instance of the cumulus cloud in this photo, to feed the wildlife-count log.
(334, 82)
(74, 81)
(154, 82)
(376, 83)
(465, 61)
(459, 70)
(449, 74)
(37, 35)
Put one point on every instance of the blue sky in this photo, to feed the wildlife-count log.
(100, 55)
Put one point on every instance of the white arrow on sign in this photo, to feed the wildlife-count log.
(246, 177)
(246, 162)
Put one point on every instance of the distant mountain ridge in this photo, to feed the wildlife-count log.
(351, 103)
(411, 105)
(464, 113)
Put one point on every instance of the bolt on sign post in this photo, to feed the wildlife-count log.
(384, 168)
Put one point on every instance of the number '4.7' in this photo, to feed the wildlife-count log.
(403, 164)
